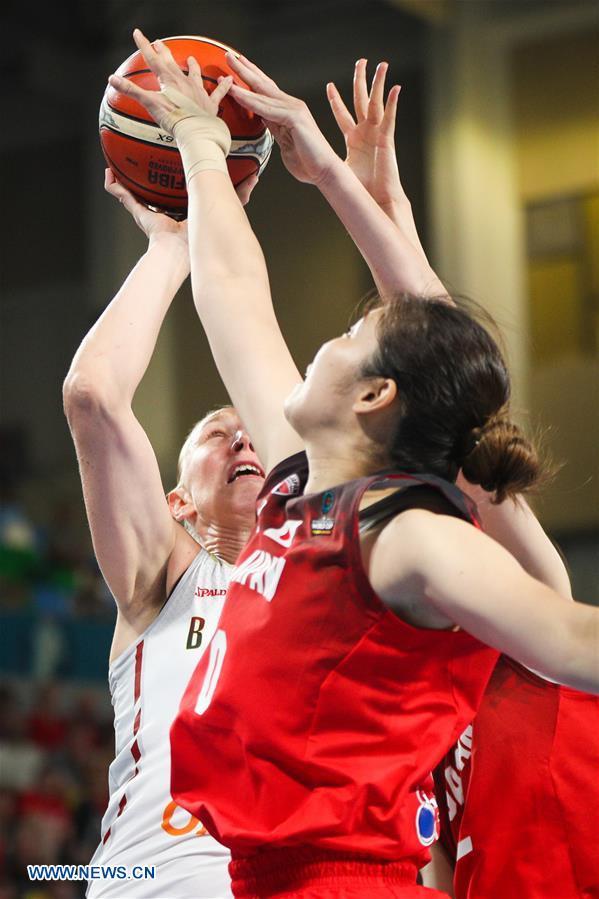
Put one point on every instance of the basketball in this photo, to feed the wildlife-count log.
(145, 158)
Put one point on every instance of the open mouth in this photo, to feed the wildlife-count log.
(244, 470)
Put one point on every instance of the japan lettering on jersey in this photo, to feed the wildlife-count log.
(325, 710)
(519, 793)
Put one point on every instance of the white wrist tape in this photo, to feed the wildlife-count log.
(203, 139)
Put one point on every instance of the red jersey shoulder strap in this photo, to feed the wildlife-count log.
(415, 492)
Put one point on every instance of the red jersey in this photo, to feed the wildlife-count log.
(519, 794)
(319, 714)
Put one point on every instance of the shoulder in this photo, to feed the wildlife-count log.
(413, 533)
(419, 550)
(403, 556)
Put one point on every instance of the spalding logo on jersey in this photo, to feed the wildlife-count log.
(427, 819)
(289, 487)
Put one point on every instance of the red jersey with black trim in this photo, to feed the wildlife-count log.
(519, 794)
(319, 714)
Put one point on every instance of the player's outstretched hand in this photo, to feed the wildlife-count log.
(369, 133)
(177, 90)
(305, 151)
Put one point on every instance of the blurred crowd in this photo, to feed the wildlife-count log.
(49, 568)
(56, 743)
(56, 732)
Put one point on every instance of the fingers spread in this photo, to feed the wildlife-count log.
(157, 55)
(360, 90)
(222, 89)
(340, 111)
(254, 102)
(252, 75)
(388, 122)
(164, 54)
(125, 86)
(195, 73)
(377, 90)
(144, 46)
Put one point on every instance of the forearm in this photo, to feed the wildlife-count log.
(401, 214)
(116, 352)
(224, 251)
(232, 296)
(395, 263)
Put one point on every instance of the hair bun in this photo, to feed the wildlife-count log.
(500, 458)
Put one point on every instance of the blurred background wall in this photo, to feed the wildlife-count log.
(498, 145)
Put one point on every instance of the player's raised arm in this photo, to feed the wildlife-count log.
(371, 155)
(396, 264)
(132, 530)
(229, 277)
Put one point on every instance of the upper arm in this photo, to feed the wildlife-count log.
(513, 524)
(468, 577)
(132, 530)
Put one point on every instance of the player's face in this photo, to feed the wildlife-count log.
(223, 473)
(326, 396)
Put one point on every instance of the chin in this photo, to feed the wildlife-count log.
(246, 492)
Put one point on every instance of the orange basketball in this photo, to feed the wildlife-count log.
(145, 158)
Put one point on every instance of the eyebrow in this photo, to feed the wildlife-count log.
(218, 417)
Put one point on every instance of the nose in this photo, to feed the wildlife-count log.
(241, 441)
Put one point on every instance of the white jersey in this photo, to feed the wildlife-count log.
(142, 825)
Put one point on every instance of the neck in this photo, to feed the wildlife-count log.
(224, 541)
(328, 469)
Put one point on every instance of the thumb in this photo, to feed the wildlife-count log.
(119, 192)
(244, 188)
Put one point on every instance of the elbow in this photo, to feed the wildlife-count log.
(84, 397)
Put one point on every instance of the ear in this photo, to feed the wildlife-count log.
(180, 504)
(375, 395)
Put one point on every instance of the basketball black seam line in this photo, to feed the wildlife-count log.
(132, 118)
